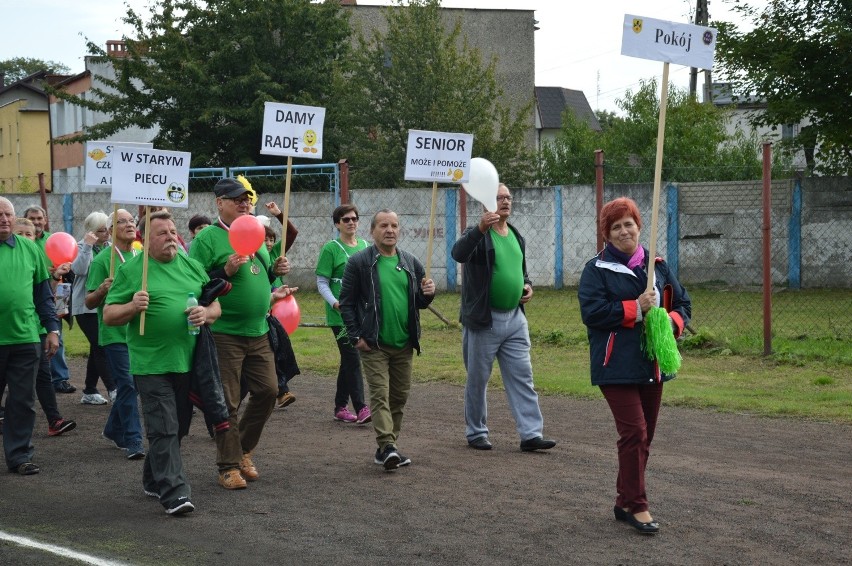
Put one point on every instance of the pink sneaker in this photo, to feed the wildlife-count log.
(364, 415)
(345, 415)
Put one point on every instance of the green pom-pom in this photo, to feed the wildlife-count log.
(660, 342)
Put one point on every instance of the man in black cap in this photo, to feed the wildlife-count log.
(241, 332)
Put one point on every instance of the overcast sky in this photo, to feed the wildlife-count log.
(577, 46)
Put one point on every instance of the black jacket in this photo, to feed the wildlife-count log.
(607, 293)
(476, 251)
(360, 296)
(205, 385)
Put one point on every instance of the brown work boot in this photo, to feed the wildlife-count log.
(247, 469)
(284, 399)
(231, 479)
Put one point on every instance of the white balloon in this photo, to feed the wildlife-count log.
(483, 183)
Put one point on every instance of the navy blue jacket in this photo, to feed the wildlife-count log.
(607, 293)
(361, 298)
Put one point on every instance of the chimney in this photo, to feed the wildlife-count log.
(116, 48)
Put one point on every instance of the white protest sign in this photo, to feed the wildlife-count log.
(151, 177)
(438, 156)
(292, 130)
(98, 163)
(669, 42)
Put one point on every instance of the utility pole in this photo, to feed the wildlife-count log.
(701, 19)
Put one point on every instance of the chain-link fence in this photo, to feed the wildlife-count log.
(710, 233)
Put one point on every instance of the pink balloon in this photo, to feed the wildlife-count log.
(246, 235)
(288, 314)
(60, 247)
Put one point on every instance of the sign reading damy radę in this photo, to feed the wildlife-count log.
(151, 177)
(292, 130)
(669, 42)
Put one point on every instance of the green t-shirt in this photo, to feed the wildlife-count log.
(21, 267)
(331, 264)
(244, 308)
(167, 346)
(393, 285)
(507, 278)
(98, 271)
(43, 241)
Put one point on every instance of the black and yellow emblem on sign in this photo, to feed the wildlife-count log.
(637, 25)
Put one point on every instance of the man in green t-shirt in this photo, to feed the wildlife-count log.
(241, 333)
(330, 266)
(382, 293)
(59, 373)
(27, 300)
(495, 288)
(161, 357)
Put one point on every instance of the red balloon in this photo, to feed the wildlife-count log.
(60, 247)
(288, 314)
(246, 235)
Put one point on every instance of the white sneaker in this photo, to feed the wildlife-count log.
(113, 393)
(93, 399)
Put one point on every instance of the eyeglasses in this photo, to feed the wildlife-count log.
(239, 200)
(348, 219)
(507, 198)
(124, 221)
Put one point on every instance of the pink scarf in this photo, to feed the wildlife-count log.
(637, 258)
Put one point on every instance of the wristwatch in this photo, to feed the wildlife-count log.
(57, 332)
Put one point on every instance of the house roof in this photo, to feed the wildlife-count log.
(553, 100)
(34, 82)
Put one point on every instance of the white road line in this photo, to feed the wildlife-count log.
(59, 551)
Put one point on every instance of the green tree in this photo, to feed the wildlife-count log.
(797, 59)
(202, 72)
(696, 146)
(420, 76)
(18, 68)
(570, 158)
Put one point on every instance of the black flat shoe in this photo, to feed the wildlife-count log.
(620, 514)
(649, 528)
(480, 443)
(537, 443)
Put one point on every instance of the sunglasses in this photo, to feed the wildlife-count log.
(348, 219)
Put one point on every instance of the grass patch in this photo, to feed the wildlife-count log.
(807, 377)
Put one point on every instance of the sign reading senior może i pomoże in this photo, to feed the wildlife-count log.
(150, 177)
(438, 156)
(98, 161)
(670, 42)
(292, 130)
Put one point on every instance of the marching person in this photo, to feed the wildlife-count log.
(241, 334)
(494, 291)
(613, 304)
(383, 290)
(161, 359)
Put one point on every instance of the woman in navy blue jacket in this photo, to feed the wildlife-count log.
(613, 302)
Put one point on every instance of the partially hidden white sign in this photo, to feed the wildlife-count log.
(151, 177)
(438, 156)
(292, 130)
(99, 156)
(660, 40)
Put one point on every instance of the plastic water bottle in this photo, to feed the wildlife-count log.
(191, 302)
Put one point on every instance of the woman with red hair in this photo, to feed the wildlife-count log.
(613, 303)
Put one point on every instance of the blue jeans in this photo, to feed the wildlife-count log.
(123, 425)
(508, 340)
(58, 366)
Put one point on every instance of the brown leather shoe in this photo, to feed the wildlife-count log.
(231, 479)
(284, 399)
(247, 469)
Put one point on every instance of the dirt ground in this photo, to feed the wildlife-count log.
(726, 488)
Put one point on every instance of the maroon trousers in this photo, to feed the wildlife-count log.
(635, 409)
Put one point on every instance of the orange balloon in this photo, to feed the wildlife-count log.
(246, 235)
(288, 314)
(60, 248)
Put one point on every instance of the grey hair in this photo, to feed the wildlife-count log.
(95, 221)
(385, 211)
(35, 208)
(110, 218)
